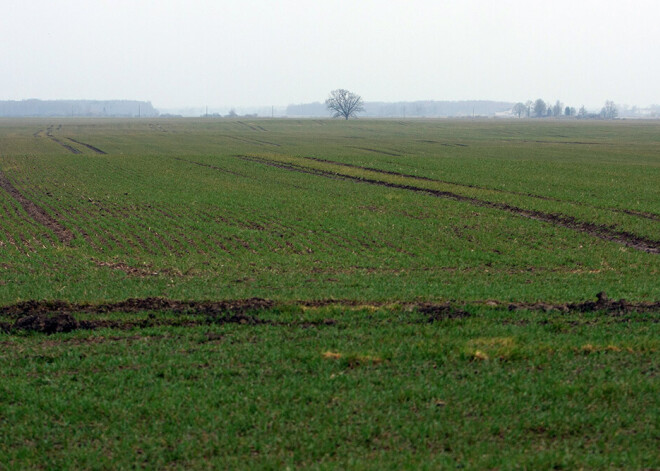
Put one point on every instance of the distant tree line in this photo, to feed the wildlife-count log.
(92, 108)
(543, 109)
(410, 109)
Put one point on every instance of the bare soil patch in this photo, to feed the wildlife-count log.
(51, 317)
(63, 322)
(602, 303)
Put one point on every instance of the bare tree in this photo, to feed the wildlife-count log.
(609, 111)
(519, 109)
(582, 113)
(344, 103)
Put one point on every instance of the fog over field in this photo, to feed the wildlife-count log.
(199, 53)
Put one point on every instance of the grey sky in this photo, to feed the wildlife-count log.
(267, 52)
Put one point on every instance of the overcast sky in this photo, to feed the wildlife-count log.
(178, 53)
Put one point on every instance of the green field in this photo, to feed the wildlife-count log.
(362, 294)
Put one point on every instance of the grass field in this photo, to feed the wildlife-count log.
(363, 294)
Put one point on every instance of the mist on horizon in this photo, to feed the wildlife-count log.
(261, 53)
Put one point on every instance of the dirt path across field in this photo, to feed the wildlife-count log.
(600, 231)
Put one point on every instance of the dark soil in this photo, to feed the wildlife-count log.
(47, 324)
(135, 305)
(89, 146)
(438, 312)
(602, 303)
(71, 149)
(51, 317)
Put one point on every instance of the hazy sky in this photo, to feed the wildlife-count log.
(179, 53)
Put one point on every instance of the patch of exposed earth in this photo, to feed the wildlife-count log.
(51, 317)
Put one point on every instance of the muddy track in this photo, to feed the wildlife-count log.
(89, 146)
(57, 316)
(642, 214)
(602, 232)
(36, 212)
(49, 135)
(651, 216)
(136, 305)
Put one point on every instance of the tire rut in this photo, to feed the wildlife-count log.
(630, 212)
(37, 213)
(89, 146)
(49, 135)
(214, 167)
(602, 232)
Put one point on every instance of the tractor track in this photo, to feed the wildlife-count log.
(36, 212)
(89, 146)
(214, 167)
(49, 135)
(600, 231)
(630, 212)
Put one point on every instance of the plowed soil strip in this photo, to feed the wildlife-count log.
(595, 230)
(89, 146)
(56, 316)
(630, 212)
(36, 212)
(135, 305)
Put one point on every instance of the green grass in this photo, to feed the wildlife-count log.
(171, 199)
(299, 210)
(494, 390)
